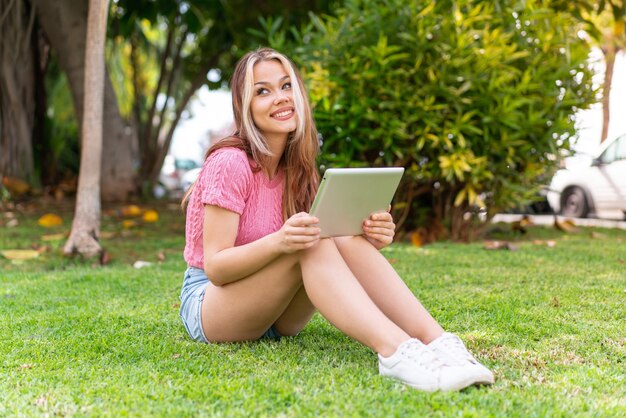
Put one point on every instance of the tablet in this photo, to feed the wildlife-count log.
(348, 196)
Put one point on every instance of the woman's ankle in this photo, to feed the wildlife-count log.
(388, 347)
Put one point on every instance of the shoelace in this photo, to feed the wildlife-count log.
(422, 355)
(456, 348)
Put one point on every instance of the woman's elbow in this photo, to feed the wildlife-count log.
(212, 275)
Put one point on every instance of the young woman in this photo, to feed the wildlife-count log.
(257, 266)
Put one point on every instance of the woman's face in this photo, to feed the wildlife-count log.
(272, 100)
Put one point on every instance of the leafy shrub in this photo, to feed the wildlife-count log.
(474, 98)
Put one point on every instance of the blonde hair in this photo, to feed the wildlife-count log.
(298, 160)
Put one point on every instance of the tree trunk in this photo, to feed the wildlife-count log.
(609, 60)
(85, 234)
(17, 92)
(64, 22)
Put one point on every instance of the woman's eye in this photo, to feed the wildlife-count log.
(287, 86)
(262, 90)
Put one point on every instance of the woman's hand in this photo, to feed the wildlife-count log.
(298, 233)
(379, 229)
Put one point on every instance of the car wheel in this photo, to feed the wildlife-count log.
(574, 203)
(159, 191)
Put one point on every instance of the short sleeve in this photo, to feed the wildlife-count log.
(226, 179)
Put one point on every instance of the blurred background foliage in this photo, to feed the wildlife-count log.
(159, 54)
(61, 134)
(164, 51)
(476, 99)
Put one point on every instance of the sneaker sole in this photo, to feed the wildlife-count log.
(471, 381)
(414, 386)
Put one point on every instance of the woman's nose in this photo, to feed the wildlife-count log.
(281, 96)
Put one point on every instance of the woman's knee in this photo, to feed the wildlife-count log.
(341, 242)
(322, 245)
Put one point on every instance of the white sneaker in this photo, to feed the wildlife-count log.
(414, 364)
(453, 352)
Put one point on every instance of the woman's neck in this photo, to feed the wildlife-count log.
(277, 146)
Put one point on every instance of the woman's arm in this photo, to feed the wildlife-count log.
(224, 263)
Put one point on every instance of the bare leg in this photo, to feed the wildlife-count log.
(386, 288)
(340, 298)
(244, 309)
(297, 315)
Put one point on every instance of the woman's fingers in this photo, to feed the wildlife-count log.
(379, 229)
(388, 232)
(300, 232)
(299, 238)
(302, 219)
(381, 216)
(379, 241)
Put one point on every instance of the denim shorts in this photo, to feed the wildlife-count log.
(191, 295)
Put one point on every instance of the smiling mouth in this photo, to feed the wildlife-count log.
(282, 114)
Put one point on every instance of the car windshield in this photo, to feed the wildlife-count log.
(186, 164)
(615, 151)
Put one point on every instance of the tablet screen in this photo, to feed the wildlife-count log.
(348, 196)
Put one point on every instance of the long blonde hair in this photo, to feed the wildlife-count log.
(298, 160)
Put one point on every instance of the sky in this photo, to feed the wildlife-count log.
(212, 111)
(209, 111)
(589, 122)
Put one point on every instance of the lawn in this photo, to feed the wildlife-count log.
(80, 339)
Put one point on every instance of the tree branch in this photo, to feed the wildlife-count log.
(168, 91)
(164, 56)
(196, 83)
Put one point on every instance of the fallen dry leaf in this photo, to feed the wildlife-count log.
(54, 237)
(520, 226)
(107, 234)
(19, 254)
(58, 194)
(548, 243)
(105, 258)
(416, 239)
(131, 210)
(499, 245)
(128, 223)
(597, 235)
(151, 216)
(40, 248)
(50, 220)
(566, 225)
(15, 186)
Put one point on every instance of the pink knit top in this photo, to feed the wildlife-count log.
(227, 180)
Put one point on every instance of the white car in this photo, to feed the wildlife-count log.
(189, 178)
(170, 182)
(594, 188)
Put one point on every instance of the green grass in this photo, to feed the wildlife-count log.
(83, 340)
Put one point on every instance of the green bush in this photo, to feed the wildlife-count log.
(474, 98)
